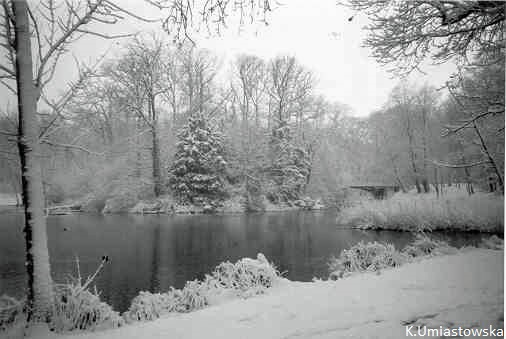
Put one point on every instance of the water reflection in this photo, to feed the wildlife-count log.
(156, 252)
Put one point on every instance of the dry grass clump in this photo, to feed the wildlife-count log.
(81, 309)
(244, 278)
(455, 210)
(492, 243)
(375, 256)
(11, 312)
(365, 257)
(77, 307)
(425, 246)
(150, 306)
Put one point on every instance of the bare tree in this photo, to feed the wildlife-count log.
(141, 79)
(31, 65)
(197, 73)
(248, 90)
(289, 84)
(479, 97)
(404, 33)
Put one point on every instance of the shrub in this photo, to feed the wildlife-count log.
(11, 311)
(362, 257)
(80, 309)
(425, 212)
(425, 246)
(150, 306)
(192, 297)
(374, 256)
(493, 243)
(245, 278)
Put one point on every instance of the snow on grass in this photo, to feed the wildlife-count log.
(78, 309)
(375, 256)
(363, 257)
(11, 312)
(464, 289)
(245, 278)
(454, 210)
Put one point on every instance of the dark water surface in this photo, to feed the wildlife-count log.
(158, 251)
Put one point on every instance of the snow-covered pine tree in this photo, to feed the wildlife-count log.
(290, 166)
(198, 172)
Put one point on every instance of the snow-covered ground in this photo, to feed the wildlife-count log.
(464, 290)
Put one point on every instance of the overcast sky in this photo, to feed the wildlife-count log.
(318, 33)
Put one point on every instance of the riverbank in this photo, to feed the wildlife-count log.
(469, 294)
(454, 210)
(168, 205)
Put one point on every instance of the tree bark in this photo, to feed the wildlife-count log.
(40, 292)
(397, 176)
(413, 160)
(489, 156)
(425, 180)
(155, 151)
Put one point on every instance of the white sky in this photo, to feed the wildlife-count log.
(318, 33)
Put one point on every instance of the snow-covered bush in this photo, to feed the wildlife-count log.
(426, 246)
(192, 297)
(247, 277)
(81, 309)
(150, 306)
(77, 307)
(363, 257)
(493, 243)
(11, 311)
(374, 256)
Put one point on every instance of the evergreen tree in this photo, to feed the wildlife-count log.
(290, 166)
(198, 172)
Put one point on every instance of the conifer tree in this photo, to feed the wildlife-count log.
(290, 166)
(198, 172)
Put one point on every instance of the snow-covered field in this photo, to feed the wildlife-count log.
(465, 289)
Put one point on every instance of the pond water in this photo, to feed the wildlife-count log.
(158, 251)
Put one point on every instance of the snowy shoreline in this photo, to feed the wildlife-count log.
(463, 289)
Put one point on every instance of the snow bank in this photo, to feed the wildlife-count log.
(245, 278)
(465, 289)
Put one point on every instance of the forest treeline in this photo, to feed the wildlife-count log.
(159, 120)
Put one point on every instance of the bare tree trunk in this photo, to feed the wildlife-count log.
(40, 292)
(425, 180)
(490, 157)
(412, 153)
(469, 181)
(138, 158)
(415, 171)
(155, 151)
(436, 181)
(397, 176)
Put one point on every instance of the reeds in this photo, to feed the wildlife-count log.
(456, 210)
